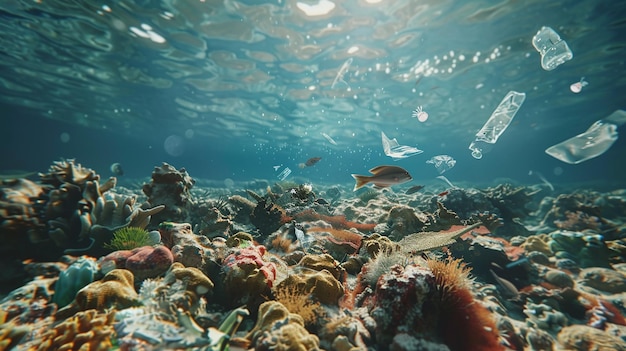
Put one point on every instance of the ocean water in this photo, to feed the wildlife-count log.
(242, 86)
(237, 92)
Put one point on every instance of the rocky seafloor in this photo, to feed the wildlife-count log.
(294, 266)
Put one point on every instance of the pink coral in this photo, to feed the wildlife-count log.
(144, 262)
(249, 276)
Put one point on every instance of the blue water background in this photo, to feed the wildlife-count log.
(128, 121)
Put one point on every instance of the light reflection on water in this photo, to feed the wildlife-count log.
(354, 68)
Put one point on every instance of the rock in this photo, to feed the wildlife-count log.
(585, 338)
(603, 279)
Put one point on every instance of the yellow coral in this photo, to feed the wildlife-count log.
(297, 300)
(322, 285)
(114, 290)
(85, 331)
(278, 329)
(194, 279)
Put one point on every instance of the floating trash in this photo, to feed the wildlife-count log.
(330, 140)
(397, 151)
(284, 173)
(420, 114)
(497, 123)
(554, 50)
(592, 143)
(342, 71)
(578, 86)
(442, 163)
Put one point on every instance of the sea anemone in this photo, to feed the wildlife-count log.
(129, 238)
(465, 324)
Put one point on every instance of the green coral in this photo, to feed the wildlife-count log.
(129, 238)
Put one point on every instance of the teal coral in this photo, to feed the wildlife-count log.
(74, 278)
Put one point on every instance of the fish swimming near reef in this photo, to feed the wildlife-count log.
(414, 189)
(383, 177)
(310, 162)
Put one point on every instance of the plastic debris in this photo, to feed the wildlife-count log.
(578, 86)
(420, 114)
(445, 180)
(397, 151)
(330, 140)
(442, 162)
(284, 173)
(554, 50)
(497, 123)
(342, 71)
(592, 143)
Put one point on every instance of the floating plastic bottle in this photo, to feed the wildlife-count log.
(554, 50)
(497, 123)
(592, 143)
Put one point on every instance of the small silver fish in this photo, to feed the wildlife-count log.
(414, 189)
(383, 177)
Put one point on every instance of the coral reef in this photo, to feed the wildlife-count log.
(247, 275)
(87, 330)
(114, 290)
(80, 273)
(170, 187)
(144, 262)
(68, 211)
(278, 329)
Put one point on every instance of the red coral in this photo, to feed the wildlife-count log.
(338, 222)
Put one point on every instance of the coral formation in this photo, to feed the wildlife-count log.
(170, 187)
(323, 286)
(144, 262)
(80, 273)
(87, 330)
(247, 275)
(114, 290)
(278, 329)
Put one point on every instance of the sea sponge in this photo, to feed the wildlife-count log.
(537, 243)
(376, 244)
(114, 290)
(324, 287)
(278, 329)
(323, 261)
(193, 278)
(149, 262)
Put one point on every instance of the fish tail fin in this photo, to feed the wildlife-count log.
(301, 165)
(360, 181)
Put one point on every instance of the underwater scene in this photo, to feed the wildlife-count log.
(313, 175)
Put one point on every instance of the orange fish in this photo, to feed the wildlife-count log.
(443, 193)
(383, 177)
